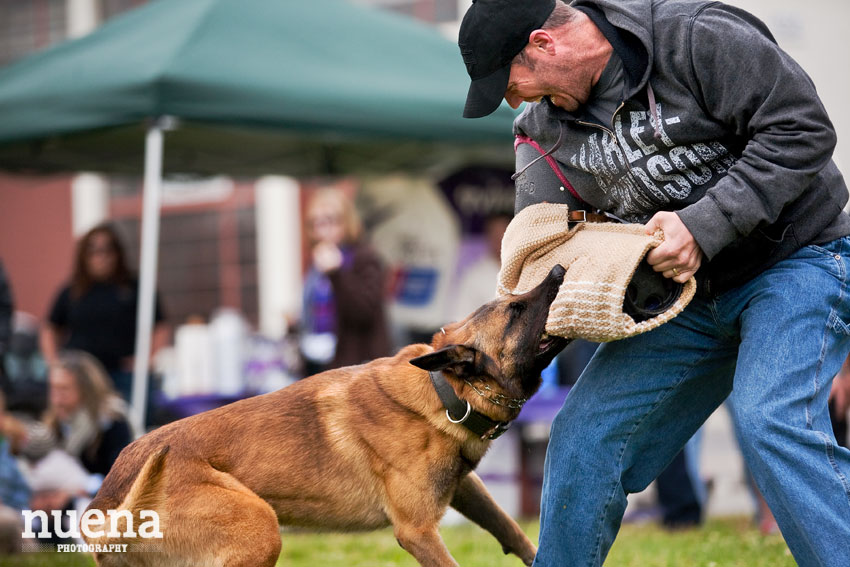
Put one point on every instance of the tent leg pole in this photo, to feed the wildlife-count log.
(147, 274)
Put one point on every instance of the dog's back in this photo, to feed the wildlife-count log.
(320, 431)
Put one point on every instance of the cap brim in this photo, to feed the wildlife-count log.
(486, 94)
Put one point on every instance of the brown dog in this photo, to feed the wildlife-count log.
(357, 448)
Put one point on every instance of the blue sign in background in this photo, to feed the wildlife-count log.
(415, 286)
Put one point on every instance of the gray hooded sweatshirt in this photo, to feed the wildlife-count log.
(718, 124)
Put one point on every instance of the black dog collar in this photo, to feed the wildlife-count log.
(461, 412)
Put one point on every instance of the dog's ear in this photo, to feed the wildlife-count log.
(460, 359)
(446, 357)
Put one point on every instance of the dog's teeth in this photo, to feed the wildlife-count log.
(544, 336)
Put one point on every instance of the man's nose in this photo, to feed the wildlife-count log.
(513, 100)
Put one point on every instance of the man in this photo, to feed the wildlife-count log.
(685, 115)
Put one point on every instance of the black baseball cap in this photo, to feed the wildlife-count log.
(492, 33)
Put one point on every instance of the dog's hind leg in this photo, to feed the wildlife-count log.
(220, 523)
(473, 501)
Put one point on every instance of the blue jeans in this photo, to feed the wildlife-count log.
(773, 344)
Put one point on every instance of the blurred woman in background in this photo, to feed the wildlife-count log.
(344, 318)
(86, 415)
(72, 449)
(96, 311)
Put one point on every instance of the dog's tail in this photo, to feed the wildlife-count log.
(147, 494)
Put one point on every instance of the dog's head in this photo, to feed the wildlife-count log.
(502, 344)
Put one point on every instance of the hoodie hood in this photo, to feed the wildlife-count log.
(633, 20)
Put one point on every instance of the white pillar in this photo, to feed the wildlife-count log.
(89, 192)
(278, 220)
(83, 16)
(89, 202)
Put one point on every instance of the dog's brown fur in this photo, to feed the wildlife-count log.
(357, 448)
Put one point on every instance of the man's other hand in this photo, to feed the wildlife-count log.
(679, 256)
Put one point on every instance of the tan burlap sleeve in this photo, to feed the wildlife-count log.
(600, 259)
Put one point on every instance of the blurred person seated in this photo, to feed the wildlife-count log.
(96, 310)
(14, 490)
(86, 415)
(343, 319)
(83, 430)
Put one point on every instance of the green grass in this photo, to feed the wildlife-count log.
(47, 560)
(728, 542)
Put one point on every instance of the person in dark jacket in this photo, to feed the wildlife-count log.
(344, 315)
(685, 115)
(96, 310)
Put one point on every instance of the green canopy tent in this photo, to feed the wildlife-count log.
(241, 87)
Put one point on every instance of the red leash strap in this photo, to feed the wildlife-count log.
(550, 160)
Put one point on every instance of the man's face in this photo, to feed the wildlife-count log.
(565, 85)
(562, 64)
(523, 86)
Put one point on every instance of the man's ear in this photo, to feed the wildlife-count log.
(460, 359)
(541, 41)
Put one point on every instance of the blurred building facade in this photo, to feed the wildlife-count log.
(40, 215)
(208, 228)
(215, 235)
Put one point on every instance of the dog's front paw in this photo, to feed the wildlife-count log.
(526, 555)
